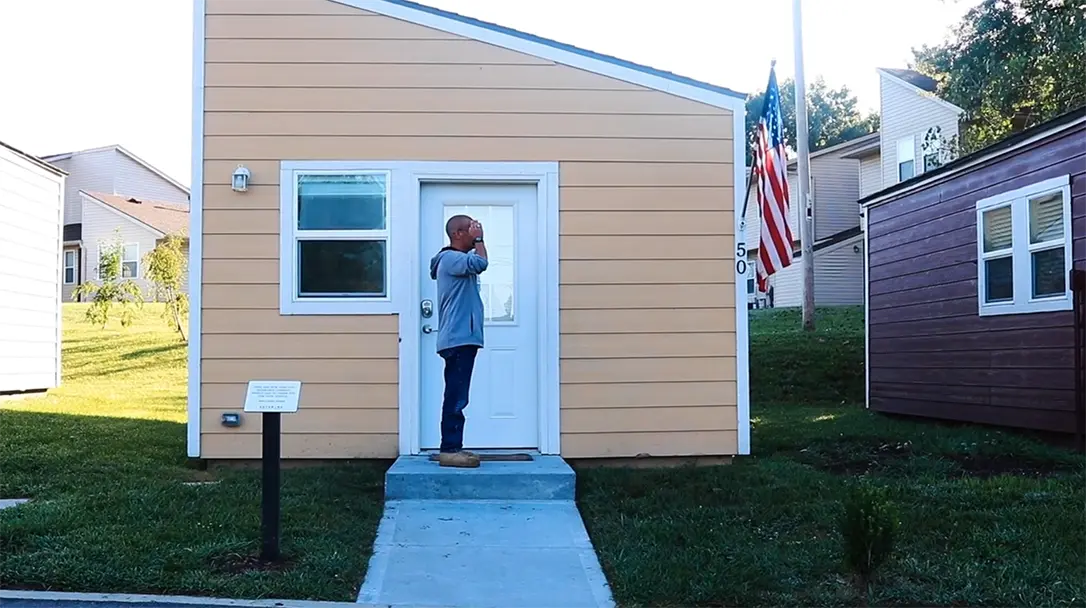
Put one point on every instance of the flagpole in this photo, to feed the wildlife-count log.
(806, 223)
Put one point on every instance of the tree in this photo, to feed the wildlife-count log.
(1011, 64)
(111, 287)
(832, 116)
(166, 270)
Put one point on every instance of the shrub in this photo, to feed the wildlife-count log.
(868, 528)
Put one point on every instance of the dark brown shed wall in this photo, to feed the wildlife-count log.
(931, 354)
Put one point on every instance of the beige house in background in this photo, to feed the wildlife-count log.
(614, 325)
(140, 224)
(841, 175)
(114, 171)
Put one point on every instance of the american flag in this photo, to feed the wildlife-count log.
(770, 164)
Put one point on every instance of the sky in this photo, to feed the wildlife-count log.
(87, 73)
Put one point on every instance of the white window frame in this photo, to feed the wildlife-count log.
(98, 267)
(75, 265)
(906, 151)
(290, 303)
(1018, 200)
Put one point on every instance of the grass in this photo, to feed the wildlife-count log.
(103, 457)
(989, 518)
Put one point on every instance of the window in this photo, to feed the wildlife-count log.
(338, 244)
(906, 159)
(1024, 249)
(130, 260)
(69, 266)
(497, 286)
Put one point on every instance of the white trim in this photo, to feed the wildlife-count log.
(742, 328)
(905, 144)
(1021, 249)
(196, 235)
(64, 266)
(59, 369)
(921, 92)
(406, 179)
(735, 102)
(981, 159)
(121, 214)
(867, 306)
(292, 304)
(98, 259)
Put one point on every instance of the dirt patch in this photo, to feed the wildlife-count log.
(854, 458)
(234, 563)
(992, 465)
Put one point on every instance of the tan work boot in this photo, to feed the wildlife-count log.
(465, 460)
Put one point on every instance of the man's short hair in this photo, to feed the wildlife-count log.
(454, 223)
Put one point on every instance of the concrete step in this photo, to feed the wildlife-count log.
(419, 478)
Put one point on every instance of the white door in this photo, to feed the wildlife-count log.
(502, 411)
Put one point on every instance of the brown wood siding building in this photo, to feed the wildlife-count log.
(648, 360)
(931, 351)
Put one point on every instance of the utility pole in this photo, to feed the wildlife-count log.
(806, 218)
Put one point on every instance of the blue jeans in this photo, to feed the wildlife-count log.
(459, 363)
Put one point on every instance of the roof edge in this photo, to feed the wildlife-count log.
(921, 92)
(44, 164)
(1060, 123)
(559, 52)
(93, 196)
(129, 154)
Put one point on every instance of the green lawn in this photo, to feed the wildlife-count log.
(988, 518)
(103, 457)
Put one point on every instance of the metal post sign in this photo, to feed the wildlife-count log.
(271, 399)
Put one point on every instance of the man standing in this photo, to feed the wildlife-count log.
(456, 269)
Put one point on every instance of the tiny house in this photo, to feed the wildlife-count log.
(31, 233)
(332, 140)
(969, 298)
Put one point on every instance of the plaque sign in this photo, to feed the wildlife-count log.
(273, 396)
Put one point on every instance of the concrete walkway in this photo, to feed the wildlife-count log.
(484, 554)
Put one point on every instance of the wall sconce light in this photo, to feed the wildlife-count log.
(240, 183)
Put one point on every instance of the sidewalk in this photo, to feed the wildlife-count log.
(484, 554)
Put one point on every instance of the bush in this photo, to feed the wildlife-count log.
(868, 529)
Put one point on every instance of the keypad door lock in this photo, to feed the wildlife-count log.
(427, 309)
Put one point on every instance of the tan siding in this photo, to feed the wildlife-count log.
(310, 79)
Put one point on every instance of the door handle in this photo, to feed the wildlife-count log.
(426, 329)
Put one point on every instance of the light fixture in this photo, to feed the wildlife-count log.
(855, 249)
(240, 183)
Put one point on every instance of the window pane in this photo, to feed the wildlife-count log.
(750, 286)
(341, 268)
(1046, 218)
(999, 276)
(130, 253)
(905, 170)
(69, 275)
(997, 229)
(341, 202)
(129, 270)
(1049, 273)
(497, 284)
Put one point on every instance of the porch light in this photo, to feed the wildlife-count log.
(240, 182)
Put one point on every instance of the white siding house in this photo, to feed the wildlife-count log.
(31, 205)
(843, 174)
(112, 170)
(138, 224)
(909, 110)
